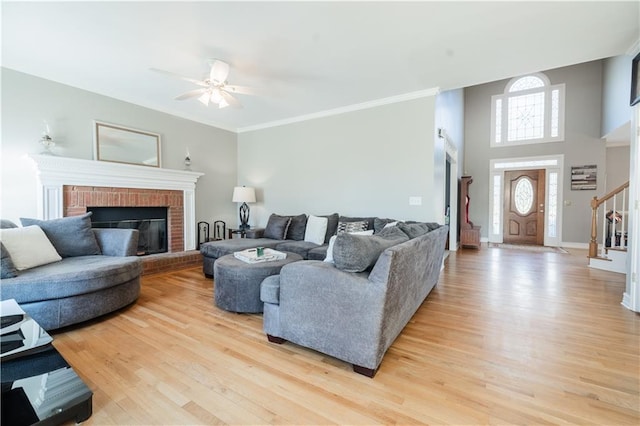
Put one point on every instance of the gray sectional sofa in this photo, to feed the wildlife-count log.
(98, 273)
(354, 293)
(354, 316)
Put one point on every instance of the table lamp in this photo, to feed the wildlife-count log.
(244, 195)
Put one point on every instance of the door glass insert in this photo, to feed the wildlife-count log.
(523, 196)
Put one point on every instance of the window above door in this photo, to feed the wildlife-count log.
(530, 110)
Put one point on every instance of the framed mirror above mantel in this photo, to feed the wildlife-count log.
(120, 144)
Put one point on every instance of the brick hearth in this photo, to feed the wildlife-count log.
(78, 198)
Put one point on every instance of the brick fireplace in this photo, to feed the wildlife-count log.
(67, 186)
(78, 198)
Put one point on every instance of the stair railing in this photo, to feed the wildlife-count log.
(614, 209)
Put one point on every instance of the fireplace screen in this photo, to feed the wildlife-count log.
(151, 222)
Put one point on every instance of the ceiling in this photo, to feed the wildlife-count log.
(303, 58)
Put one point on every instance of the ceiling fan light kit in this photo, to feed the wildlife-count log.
(214, 87)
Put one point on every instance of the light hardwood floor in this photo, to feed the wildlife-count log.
(506, 337)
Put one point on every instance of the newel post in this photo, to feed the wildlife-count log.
(593, 244)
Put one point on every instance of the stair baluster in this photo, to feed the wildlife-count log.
(611, 227)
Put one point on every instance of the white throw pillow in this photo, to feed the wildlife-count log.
(332, 241)
(28, 247)
(316, 229)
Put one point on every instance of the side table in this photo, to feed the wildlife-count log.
(246, 233)
(38, 385)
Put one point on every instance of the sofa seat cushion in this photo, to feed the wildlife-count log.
(217, 249)
(270, 290)
(299, 247)
(70, 277)
(318, 253)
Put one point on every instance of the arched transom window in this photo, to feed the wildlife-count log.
(530, 110)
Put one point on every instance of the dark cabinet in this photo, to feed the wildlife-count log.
(469, 233)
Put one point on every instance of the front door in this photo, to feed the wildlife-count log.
(524, 207)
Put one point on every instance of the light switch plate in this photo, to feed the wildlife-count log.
(415, 201)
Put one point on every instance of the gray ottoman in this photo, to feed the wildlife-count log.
(237, 283)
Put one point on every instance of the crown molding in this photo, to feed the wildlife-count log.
(341, 110)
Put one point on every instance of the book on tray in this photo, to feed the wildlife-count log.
(251, 255)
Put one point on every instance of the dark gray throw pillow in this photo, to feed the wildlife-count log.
(7, 268)
(332, 226)
(7, 224)
(379, 224)
(357, 253)
(277, 227)
(297, 228)
(71, 236)
(414, 230)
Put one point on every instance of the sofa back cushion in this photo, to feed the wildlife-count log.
(6, 224)
(277, 227)
(71, 236)
(357, 253)
(7, 268)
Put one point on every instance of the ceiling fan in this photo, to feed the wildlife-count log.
(214, 87)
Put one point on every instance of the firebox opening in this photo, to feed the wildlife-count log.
(151, 222)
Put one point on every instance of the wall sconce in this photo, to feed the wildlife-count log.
(244, 195)
(46, 140)
(440, 132)
(187, 161)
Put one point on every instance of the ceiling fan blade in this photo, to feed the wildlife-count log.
(181, 77)
(205, 98)
(230, 99)
(242, 90)
(191, 94)
(219, 71)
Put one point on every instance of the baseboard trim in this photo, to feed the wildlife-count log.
(582, 246)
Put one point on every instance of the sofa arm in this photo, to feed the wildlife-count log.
(332, 311)
(255, 233)
(117, 242)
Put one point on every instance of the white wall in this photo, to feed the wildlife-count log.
(582, 145)
(450, 117)
(28, 100)
(367, 162)
(617, 170)
(616, 91)
(631, 297)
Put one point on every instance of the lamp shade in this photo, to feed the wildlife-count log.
(243, 194)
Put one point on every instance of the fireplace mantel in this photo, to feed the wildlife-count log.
(54, 172)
